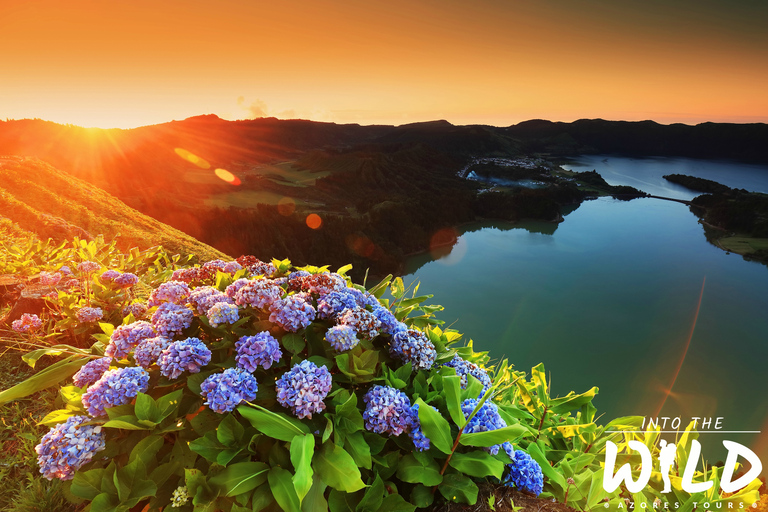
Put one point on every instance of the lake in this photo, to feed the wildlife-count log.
(608, 298)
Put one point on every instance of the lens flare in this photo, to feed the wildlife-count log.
(314, 221)
(227, 176)
(192, 158)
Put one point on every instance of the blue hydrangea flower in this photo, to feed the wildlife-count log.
(171, 319)
(224, 391)
(334, 304)
(126, 280)
(91, 371)
(342, 338)
(115, 387)
(303, 388)
(362, 321)
(260, 350)
(87, 267)
(261, 293)
(69, 446)
(190, 354)
(387, 411)
(137, 309)
(487, 418)
(223, 313)
(464, 368)
(203, 298)
(413, 347)
(292, 313)
(175, 292)
(363, 299)
(86, 314)
(389, 324)
(524, 473)
(324, 283)
(420, 441)
(148, 350)
(126, 337)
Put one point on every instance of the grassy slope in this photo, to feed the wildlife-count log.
(40, 199)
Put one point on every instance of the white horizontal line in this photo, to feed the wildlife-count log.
(683, 432)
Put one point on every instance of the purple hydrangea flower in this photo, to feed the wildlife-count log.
(262, 268)
(235, 287)
(303, 388)
(260, 350)
(361, 320)
(148, 350)
(297, 279)
(232, 267)
(27, 323)
(524, 472)
(323, 284)
(87, 267)
(389, 324)
(186, 275)
(223, 313)
(363, 298)
(224, 391)
(413, 347)
(260, 293)
(126, 337)
(487, 418)
(65, 270)
(49, 278)
(464, 368)
(109, 276)
(190, 354)
(204, 297)
(171, 319)
(69, 446)
(334, 304)
(342, 338)
(175, 292)
(115, 387)
(91, 371)
(387, 411)
(292, 313)
(87, 314)
(126, 280)
(137, 309)
(214, 265)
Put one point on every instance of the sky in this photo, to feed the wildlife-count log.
(126, 64)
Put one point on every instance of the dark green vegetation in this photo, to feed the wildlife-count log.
(698, 184)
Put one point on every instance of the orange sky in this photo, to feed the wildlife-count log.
(125, 64)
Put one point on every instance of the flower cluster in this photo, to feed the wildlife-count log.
(487, 418)
(260, 293)
(147, 352)
(171, 319)
(256, 267)
(67, 447)
(223, 313)
(175, 292)
(296, 280)
(524, 473)
(420, 441)
(303, 388)
(179, 497)
(235, 287)
(334, 304)
(87, 314)
(292, 313)
(464, 368)
(204, 297)
(362, 321)
(187, 275)
(27, 323)
(387, 411)
(342, 338)
(232, 267)
(389, 324)
(137, 309)
(50, 278)
(190, 354)
(115, 387)
(363, 299)
(126, 337)
(214, 265)
(224, 391)
(87, 267)
(109, 276)
(91, 372)
(323, 284)
(412, 346)
(126, 280)
(259, 350)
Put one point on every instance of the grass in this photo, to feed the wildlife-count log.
(286, 173)
(744, 244)
(248, 199)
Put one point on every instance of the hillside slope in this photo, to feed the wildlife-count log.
(43, 200)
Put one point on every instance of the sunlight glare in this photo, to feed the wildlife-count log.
(192, 158)
(227, 176)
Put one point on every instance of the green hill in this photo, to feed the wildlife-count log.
(36, 198)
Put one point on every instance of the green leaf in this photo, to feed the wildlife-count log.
(51, 376)
(359, 449)
(262, 498)
(87, 484)
(315, 501)
(133, 484)
(168, 404)
(422, 496)
(302, 449)
(337, 468)
(127, 423)
(240, 478)
(276, 425)
(230, 431)
(435, 427)
(293, 343)
(398, 288)
(396, 503)
(348, 416)
(105, 502)
(373, 496)
(459, 488)
(58, 416)
(537, 454)
(411, 470)
(492, 437)
(208, 446)
(477, 464)
(146, 449)
(282, 489)
(146, 408)
(452, 391)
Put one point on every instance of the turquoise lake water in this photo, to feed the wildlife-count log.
(608, 298)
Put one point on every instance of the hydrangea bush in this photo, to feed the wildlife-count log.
(252, 386)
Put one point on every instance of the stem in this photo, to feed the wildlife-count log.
(541, 423)
(453, 449)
